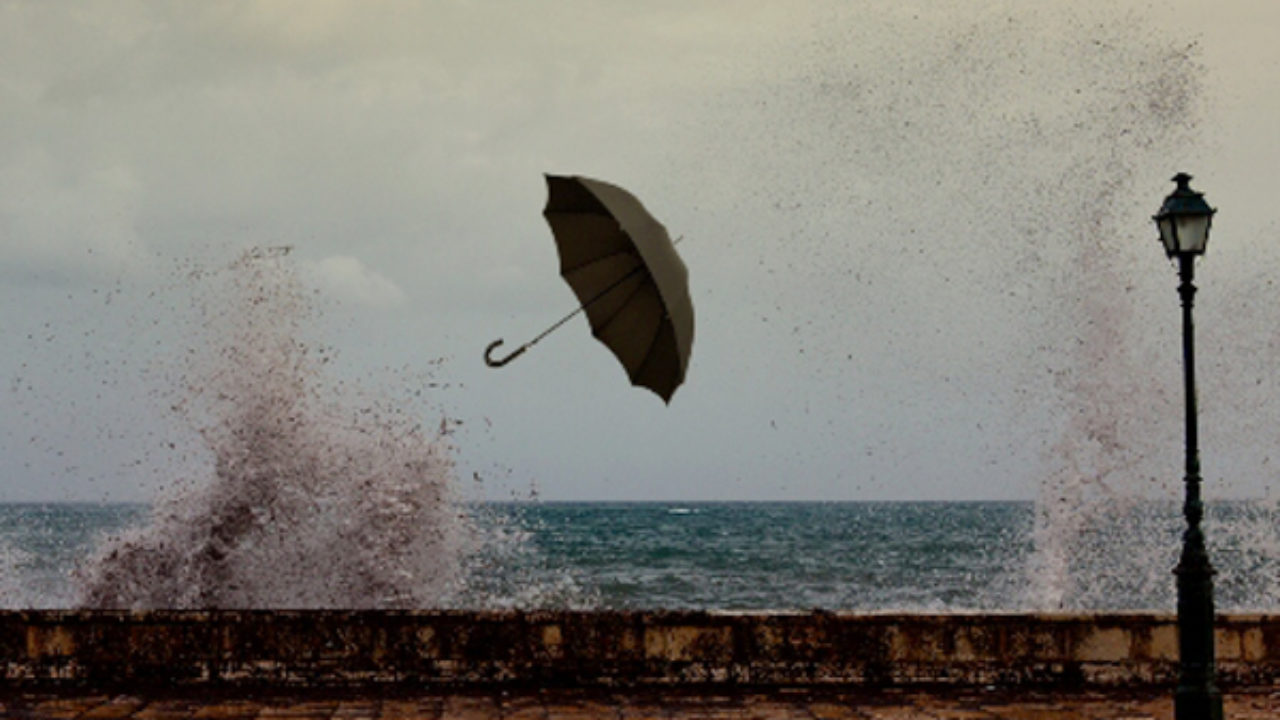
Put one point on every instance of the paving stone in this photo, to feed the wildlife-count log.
(68, 707)
(897, 712)
(299, 709)
(232, 710)
(583, 711)
(527, 712)
(426, 708)
(1031, 711)
(643, 710)
(719, 706)
(419, 709)
(467, 707)
(763, 710)
(165, 710)
(522, 707)
(114, 709)
(356, 710)
(154, 714)
(827, 710)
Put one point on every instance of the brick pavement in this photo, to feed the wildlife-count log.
(201, 704)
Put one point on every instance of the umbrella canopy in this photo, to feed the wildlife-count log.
(623, 267)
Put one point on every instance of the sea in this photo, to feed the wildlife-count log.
(866, 556)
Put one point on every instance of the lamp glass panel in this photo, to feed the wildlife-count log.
(1193, 233)
(1166, 234)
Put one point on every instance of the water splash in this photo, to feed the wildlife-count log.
(16, 590)
(1097, 544)
(319, 496)
(972, 218)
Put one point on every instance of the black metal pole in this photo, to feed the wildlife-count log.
(1197, 697)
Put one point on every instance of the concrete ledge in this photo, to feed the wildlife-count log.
(564, 648)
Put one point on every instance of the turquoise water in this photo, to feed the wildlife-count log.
(40, 545)
(866, 556)
(784, 555)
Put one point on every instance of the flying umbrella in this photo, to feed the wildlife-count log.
(623, 267)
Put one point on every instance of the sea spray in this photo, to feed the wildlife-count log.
(308, 500)
(1100, 540)
(16, 588)
(985, 255)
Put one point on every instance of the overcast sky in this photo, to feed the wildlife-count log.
(918, 233)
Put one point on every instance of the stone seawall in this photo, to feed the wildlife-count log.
(605, 648)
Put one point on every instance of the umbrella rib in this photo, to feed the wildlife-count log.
(609, 320)
(649, 354)
(649, 346)
(632, 251)
(593, 261)
(613, 286)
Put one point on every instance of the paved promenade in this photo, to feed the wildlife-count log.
(625, 705)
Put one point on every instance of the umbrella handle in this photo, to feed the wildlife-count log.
(491, 362)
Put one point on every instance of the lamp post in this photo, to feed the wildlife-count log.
(1184, 222)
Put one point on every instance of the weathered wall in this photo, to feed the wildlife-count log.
(336, 648)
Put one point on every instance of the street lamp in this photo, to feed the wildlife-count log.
(1184, 222)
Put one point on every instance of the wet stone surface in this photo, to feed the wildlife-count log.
(567, 704)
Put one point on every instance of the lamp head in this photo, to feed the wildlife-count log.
(1184, 220)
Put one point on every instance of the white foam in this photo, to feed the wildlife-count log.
(314, 496)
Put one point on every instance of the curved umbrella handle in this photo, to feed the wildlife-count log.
(491, 362)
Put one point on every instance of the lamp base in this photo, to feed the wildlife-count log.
(1197, 703)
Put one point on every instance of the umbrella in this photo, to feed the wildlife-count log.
(624, 269)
